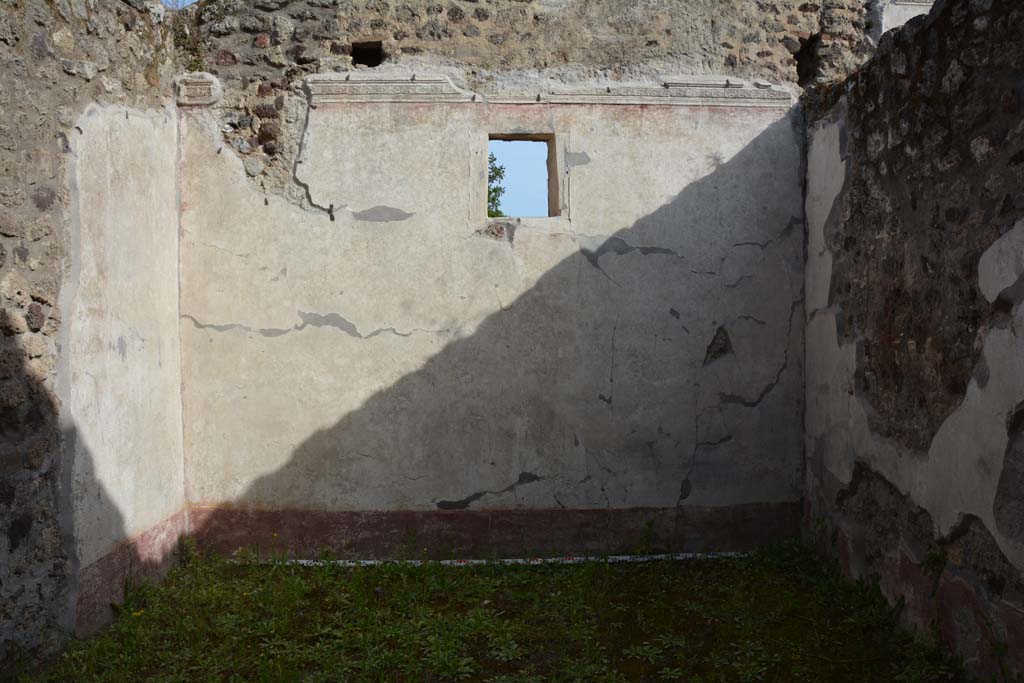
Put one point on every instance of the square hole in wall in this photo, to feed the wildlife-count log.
(522, 180)
(368, 53)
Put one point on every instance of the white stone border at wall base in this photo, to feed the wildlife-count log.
(523, 561)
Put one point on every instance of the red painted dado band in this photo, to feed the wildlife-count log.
(493, 533)
(147, 556)
(429, 535)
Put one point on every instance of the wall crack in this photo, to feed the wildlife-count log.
(464, 503)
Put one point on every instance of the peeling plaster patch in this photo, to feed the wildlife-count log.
(499, 231)
(573, 159)
(382, 214)
(524, 478)
(721, 345)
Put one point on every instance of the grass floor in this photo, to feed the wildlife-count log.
(779, 615)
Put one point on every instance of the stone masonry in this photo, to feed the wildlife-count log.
(915, 209)
(58, 57)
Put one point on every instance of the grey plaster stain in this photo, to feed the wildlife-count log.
(382, 214)
(226, 327)
(524, 478)
(573, 159)
(331, 320)
(618, 247)
(122, 348)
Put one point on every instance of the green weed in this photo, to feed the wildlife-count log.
(780, 615)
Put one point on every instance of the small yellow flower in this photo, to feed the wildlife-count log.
(139, 613)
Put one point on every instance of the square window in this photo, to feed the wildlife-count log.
(522, 179)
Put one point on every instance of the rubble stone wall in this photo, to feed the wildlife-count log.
(915, 209)
(58, 58)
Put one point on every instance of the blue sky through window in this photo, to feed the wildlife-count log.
(526, 177)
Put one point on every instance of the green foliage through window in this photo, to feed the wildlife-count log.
(495, 175)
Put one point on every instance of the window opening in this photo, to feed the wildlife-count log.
(521, 178)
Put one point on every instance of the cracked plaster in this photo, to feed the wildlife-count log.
(576, 356)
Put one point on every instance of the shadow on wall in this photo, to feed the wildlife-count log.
(647, 376)
(658, 375)
(44, 594)
(34, 566)
(98, 587)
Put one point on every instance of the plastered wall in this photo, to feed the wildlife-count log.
(119, 377)
(389, 349)
(85, 460)
(895, 13)
(629, 370)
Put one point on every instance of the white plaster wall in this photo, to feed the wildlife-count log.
(120, 379)
(960, 473)
(895, 13)
(396, 358)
